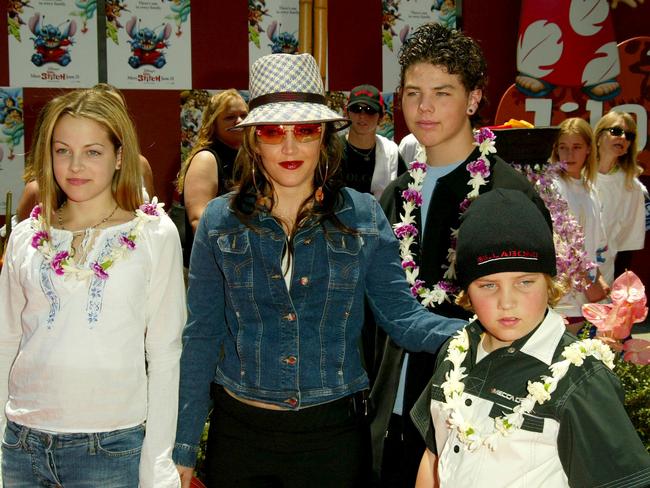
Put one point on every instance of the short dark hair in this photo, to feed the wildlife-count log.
(457, 53)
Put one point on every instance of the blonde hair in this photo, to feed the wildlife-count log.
(554, 289)
(111, 114)
(579, 127)
(215, 107)
(627, 162)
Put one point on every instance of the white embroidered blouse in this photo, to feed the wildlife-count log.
(96, 355)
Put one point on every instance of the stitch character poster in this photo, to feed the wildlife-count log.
(272, 27)
(53, 43)
(12, 160)
(148, 44)
(399, 20)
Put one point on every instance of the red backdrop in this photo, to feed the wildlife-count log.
(220, 60)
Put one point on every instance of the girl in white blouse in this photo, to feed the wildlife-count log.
(92, 306)
(574, 146)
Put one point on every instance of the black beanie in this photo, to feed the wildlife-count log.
(503, 230)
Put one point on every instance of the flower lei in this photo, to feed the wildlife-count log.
(538, 392)
(573, 265)
(406, 231)
(61, 261)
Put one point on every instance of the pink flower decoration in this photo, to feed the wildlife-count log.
(416, 287)
(36, 211)
(447, 286)
(39, 238)
(99, 271)
(637, 351)
(149, 209)
(478, 167)
(414, 196)
(58, 261)
(417, 165)
(484, 134)
(628, 307)
(404, 230)
(127, 242)
(408, 264)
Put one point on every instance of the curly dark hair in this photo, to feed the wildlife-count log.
(459, 54)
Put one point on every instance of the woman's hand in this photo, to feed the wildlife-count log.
(186, 474)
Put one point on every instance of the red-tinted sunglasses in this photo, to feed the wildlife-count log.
(275, 134)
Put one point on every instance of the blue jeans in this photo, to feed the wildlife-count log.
(32, 458)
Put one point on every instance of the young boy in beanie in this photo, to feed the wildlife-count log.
(514, 399)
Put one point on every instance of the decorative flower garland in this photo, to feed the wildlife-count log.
(406, 231)
(538, 392)
(572, 262)
(61, 261)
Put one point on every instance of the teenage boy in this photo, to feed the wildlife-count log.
(443, 75)
(515, 400)
(370, 161)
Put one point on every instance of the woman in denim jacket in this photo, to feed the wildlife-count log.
(278, 275)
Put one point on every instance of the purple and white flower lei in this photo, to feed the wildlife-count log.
(571, 260)
(406, 231)
(61, 261)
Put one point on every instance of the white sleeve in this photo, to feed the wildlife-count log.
(12, 303)
(632, 231)
(166, 315)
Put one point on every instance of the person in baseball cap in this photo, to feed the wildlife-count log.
(370, 161)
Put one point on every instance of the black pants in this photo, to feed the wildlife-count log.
(323, 446)
(403, 449)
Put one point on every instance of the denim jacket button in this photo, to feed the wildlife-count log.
(304, 281)
(511, 350)
(290, 360)
(290, 317)
(307, 241)
(291, 401)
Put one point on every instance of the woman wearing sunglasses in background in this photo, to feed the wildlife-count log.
(620, 191)
(278, 275)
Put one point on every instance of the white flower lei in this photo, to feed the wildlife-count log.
(538, 392)
(61, 261)
(406, 231)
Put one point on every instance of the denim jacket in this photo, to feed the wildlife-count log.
(292, 347)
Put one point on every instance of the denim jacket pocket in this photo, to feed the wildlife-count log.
(343, 250)
(237, 258)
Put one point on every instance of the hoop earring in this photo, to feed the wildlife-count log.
(319, 195)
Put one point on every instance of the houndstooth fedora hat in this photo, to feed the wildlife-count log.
(287, 89)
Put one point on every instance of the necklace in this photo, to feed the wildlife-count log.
(538, 392)
(59, 219)
(364, 155)
(61, 261)
(406, 231)
(87, 233)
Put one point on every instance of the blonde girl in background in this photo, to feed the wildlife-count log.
(207, 171)
(574, 146)
(92, 305)
(619, 189)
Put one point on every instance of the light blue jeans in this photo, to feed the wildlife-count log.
(33, 458)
